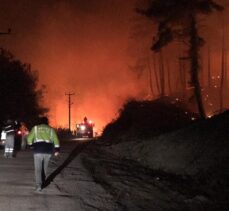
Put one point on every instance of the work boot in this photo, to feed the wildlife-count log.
(38, 189)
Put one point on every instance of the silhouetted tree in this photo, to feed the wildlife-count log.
(18, 90)
(162, 73)
(150, 79)
(223, 71)
(209, 68)
(143, 60)
(178, 19)
(155, 74)
(169, 78)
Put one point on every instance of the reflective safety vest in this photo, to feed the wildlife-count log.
(43, 133)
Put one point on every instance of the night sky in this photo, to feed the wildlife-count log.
(80, 46)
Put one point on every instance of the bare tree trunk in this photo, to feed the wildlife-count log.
(156, 75)
(150, 77)
(162, 74)
(182, 73)
(194, 56)
(221, 84)
(225, 78)
(222, 75)
(201, 71)
(169, 78)
(209, 68)
(177, 80)
(225, 68)
(184, 78)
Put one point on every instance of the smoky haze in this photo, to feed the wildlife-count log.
(89, 48)
(78, 47)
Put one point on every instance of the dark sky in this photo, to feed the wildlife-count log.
(77, 46)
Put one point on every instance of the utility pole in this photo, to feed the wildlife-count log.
(69, 109)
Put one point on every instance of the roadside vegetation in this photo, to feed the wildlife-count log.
(139, 120)
(19, 93)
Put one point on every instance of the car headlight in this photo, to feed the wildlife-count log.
(82, 127)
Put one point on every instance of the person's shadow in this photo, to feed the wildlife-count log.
(76, 151)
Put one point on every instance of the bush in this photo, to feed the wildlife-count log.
(145, 119)
(64, 133)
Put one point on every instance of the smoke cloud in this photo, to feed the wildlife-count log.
(78, 47)
(83, 47)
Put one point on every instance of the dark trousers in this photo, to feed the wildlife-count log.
(9, 146)
(41, 161)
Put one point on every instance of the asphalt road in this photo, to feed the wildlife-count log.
(17, 186)
(86, 178)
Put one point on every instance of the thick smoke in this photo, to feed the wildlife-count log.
(78, 47)
(81, 47)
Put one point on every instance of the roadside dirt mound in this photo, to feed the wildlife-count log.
(197, 150)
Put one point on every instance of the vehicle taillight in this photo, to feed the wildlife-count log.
(19, 132)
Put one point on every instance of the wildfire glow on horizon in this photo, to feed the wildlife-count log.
(85, 48)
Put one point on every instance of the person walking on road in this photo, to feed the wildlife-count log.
(24, 132)
(45, 142)
(10, 139)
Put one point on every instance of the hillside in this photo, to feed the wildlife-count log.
(146, 119)
(194, 150)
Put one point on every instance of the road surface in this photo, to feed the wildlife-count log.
(69, 186)
(17, 187)
(87, 178)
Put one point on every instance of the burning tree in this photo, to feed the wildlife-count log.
(177, 19)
